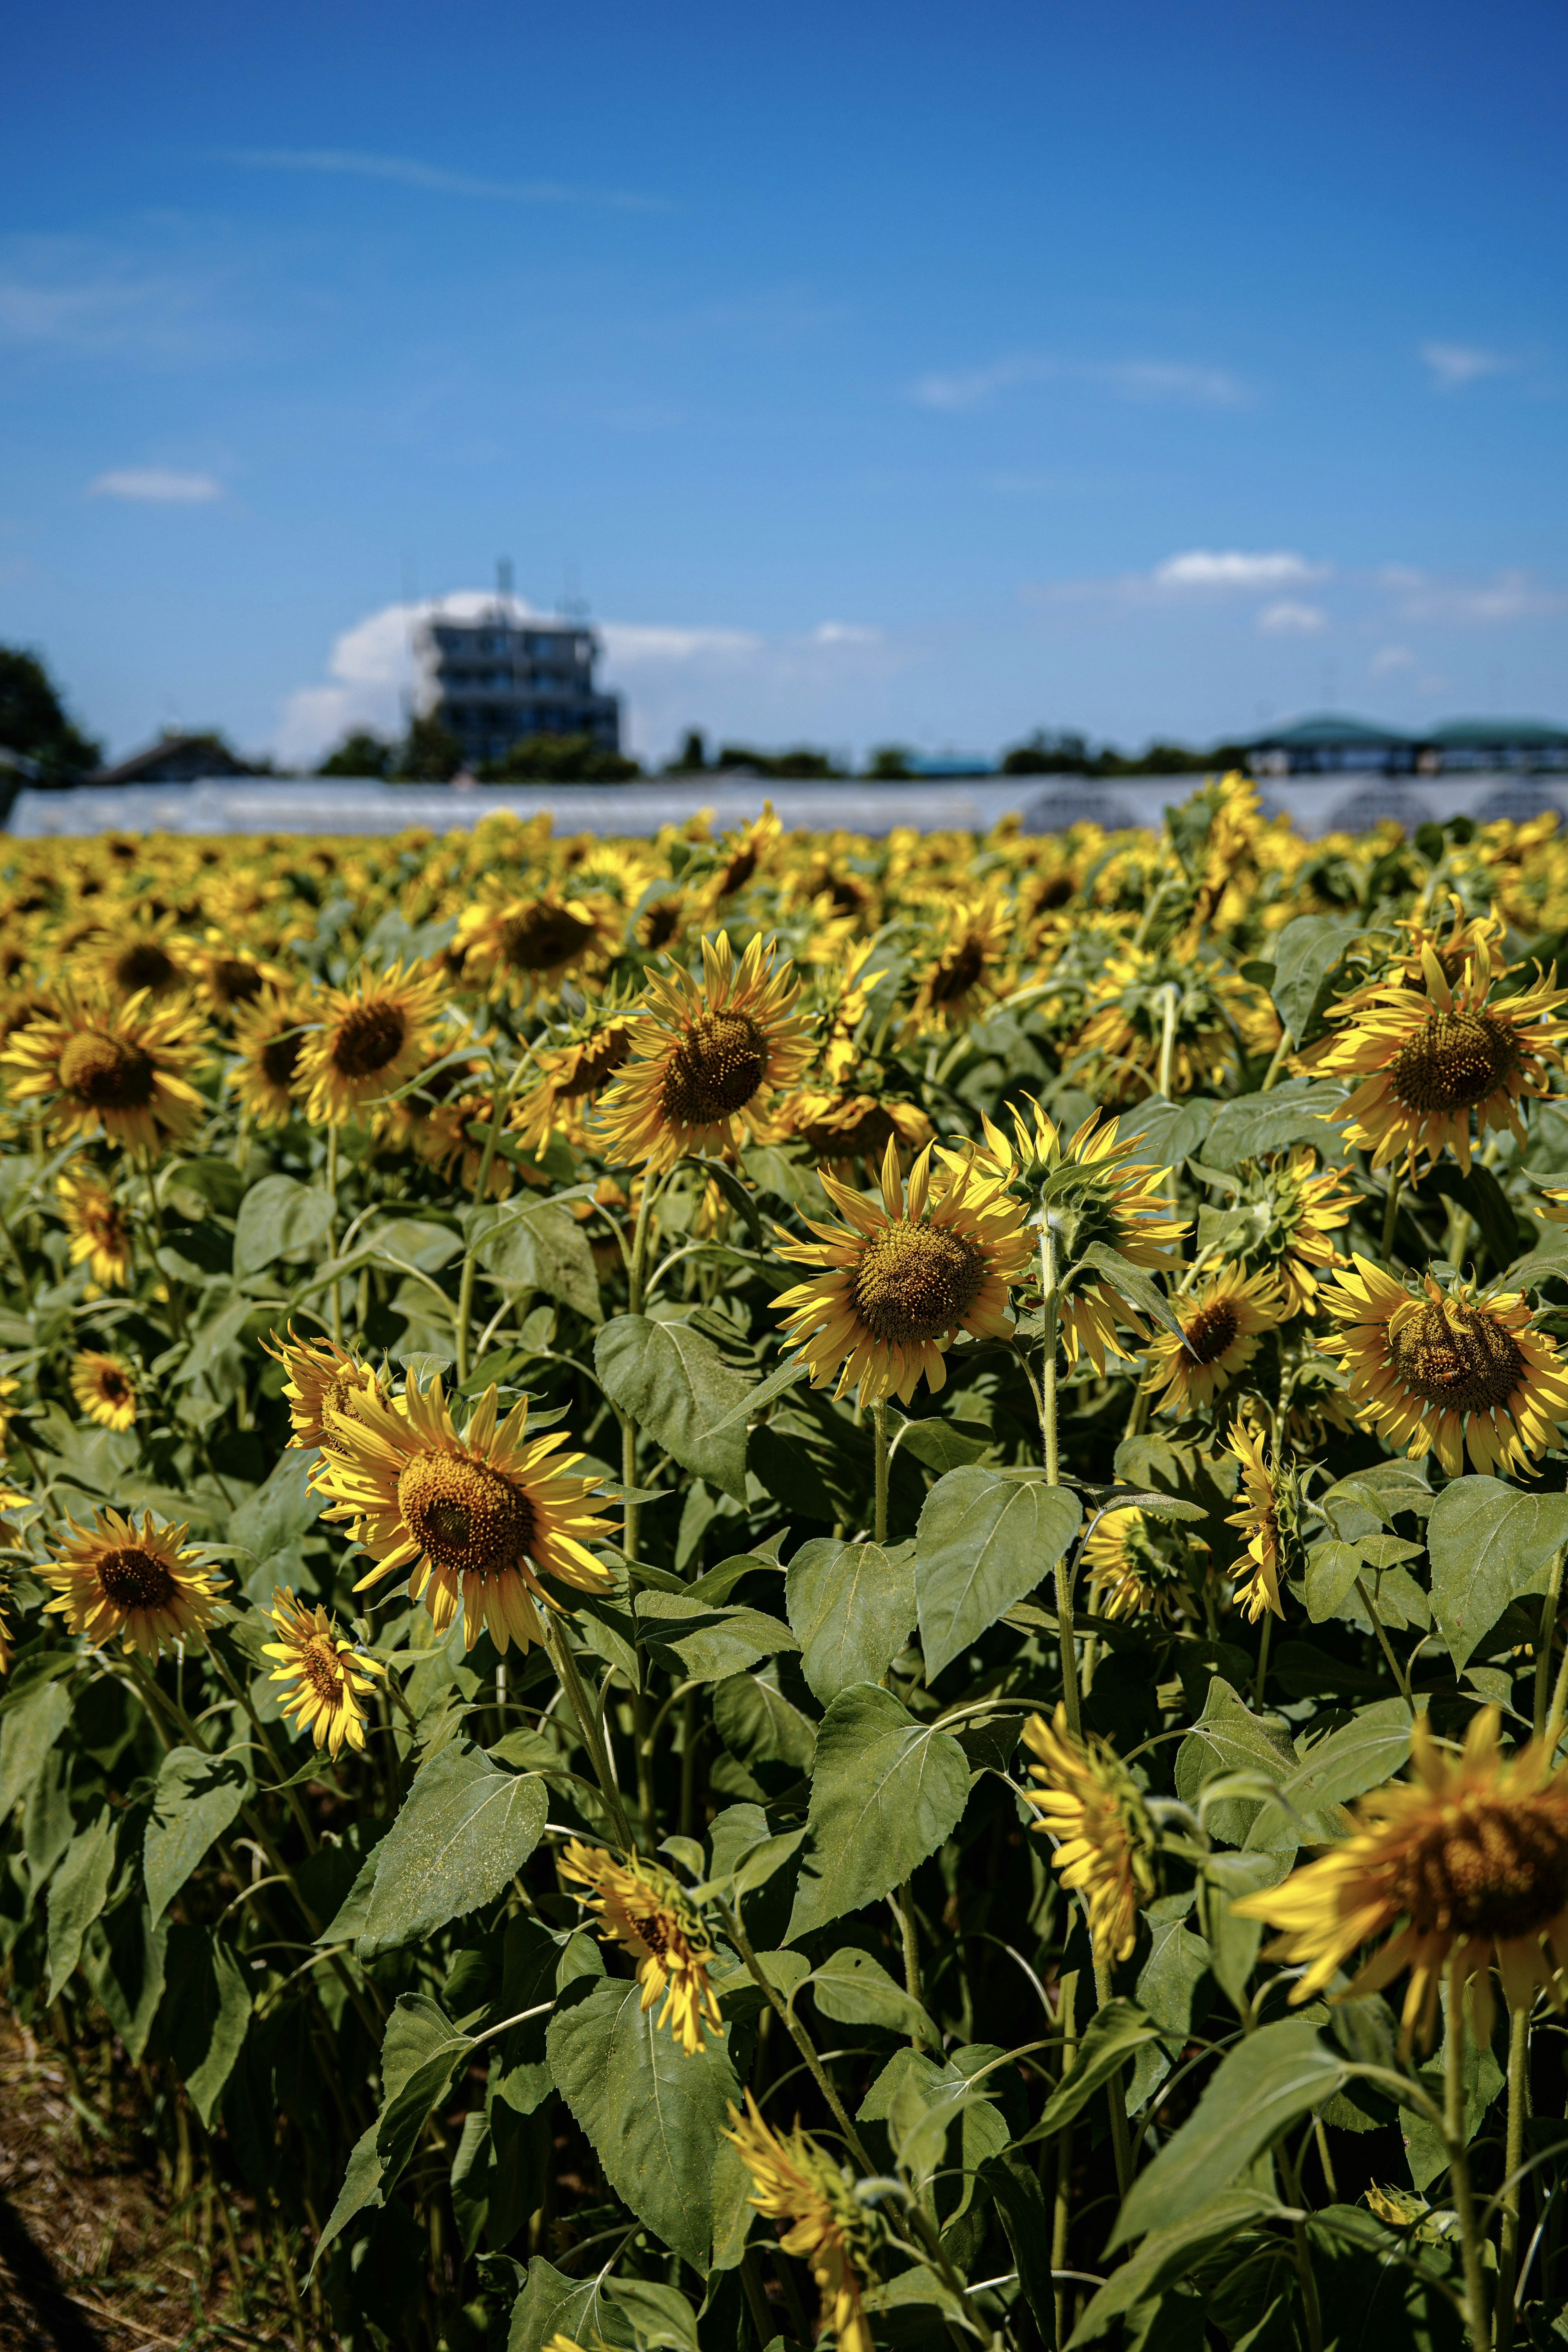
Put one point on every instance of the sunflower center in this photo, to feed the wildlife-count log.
(914, 1282)
(112, 1385)
(107, 1072)
(868, 1135)
(320, 1666)
(367, 1039)
(596, 1063)
(1211, 1331)
(1455, 1060)
(738, 872)
(134, 1579)
(655, 1931)
(234, 981)
(660, 924)
(542, 937)
(1458, 1356)
(468, 1518)
(1487, 1868)
(280, 1058)
(340, 1403)
(146, 965)
(716, 1069)
(956, 974)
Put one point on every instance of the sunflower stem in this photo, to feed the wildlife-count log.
(1263, 1657)
(1277, 1064)
(1518, 2106)
(905, 1910)
(799, 2036)
(1400, 1676)
(1458, 2165)
(500, 1097)
(1169, 1003)
(559, 1648)
(1389, 1215)
(1543, 1643)
(1121, 2145)
(1061, 2219)
(335, 1303)
(1048, 1311)
(1311, 2308)
(880, 1430)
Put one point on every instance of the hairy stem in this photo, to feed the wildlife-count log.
(880, 1431)
(1543, 1643)
(1518, 2107)
(1460, 2167)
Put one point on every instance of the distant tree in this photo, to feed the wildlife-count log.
(559, 759)
(804, 763)
(359, 753)
(890, 764)
(1048, 755)
(429, 754)
(692, 756)
(33, 722)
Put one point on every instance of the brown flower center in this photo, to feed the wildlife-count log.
(660, 924)
(107, 1073)
(1458, 1356)
(655, 1931)
(234, 981)
(1455, 1060)
(1211, 1331)
(715, 1070)
(320, 1666)
(468, 1518)
(112, 1385)
(867, 1136)
(596, 1063)
(280, 1058)
(1489, 1868)
(957, 973)
(738, 872)
(542, 937)
(914, 1282)
(144, 965)
(134, 1579)
(368, 1037)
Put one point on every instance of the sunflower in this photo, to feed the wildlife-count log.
(897, 1281)
(1220, 1328)
(371, 1039)
(641, 1907)
(741, 853)
(830, 2228)
(1105, 1840)
(1455, 1372)
(100, 1232)
(471, 1518)
(123, 1069)
(528, 945)
(1467, 1861)
(329, 1675)
(572, 1077)
(149, 1587)
(1129, 1570)
(1290, 1215)
(105, 1389)
(1124, 1037)
(707, 1059)
(325, 1387)
(1427, 1063)
(141, 957)
(229, 982)
(1267, 1518)
(965, 975)
(268, 1034)
(841, 1127)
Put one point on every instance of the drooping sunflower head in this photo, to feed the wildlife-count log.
(1088, 1802)
(105, 1389)
(640, 1904)
(524, 946)
(324, 1675)
(373, 1038)
(121, 1070)
(741, 855)
(1290, 1215)
(833, 2229)
(269, 1035)
(1269, 1518)
(100, 1231)
(966, 972)
(895, 1283)
(144, 1585)
(324, 1386)
(1140, 996)
(1222, 1323)
(1139, 1565)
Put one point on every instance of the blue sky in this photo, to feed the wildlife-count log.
(875, 371)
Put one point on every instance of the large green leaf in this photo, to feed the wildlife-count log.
(205, 2013)
(853, 1608)
(708, 1644)
(122, 1959)
(421, 2054)
(1177, 1964)
(652, 2112)
(673, 1382)
(1361, 1755)
(1264, 2083)
(1168, 2255)
(1306, 954)
(279, 1510)
(465, 1828)
(885, 1793)
(551, 2305)
(759, 1725)
(1255, 1125)
(854, 1989)
(78, 1891)
(279, 1217)
(541, 1246)
(197, 1797)
(1489, 1543)
(1113, 2035)
(1228, 1737)
(983, 1541)
(33, 1722)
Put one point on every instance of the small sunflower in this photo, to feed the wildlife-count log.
(1267, 1518)
(1221, 1324)
(899, 1279)
(149, 1587)
(100, 1231)
(841, 1129)
(11, 1497)
(1453, 1371)
(122, 1070)
(373, 1038)
(1290, 1215)
(831, 2229)
(105, 1389)
(572, 1077)
(329, 1675)
(325, 1387)
(227, 981)
(640, 1904)
(471, 1516)
(1123, 1039)
(707, 1057)
(1130, 1569)
(1466, 1862)
(1105, 1840)
(526, 945)
(269, 1035)
(966, 974)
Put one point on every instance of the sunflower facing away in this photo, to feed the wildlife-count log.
(1466, 1862)
(325, 1387)
(471, 1517)
(104, 1388)
(830, 2229)
(1456, 1371)
(899, 1279)
(148, 1587)
(1291, 1213)
(100, 1231)
(373, 1038)
(327, 1674)
(1088, 1804)
(269, 1035)
(1221, 1324)
(638, 1904)
(841, 1129)
(1127, 1569)
(708, 1057)
(122, 1070)
(1267, 1518)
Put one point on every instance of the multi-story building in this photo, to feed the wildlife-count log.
(508, 674)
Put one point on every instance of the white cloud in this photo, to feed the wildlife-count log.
(845, 633)
(1390, 658)
(156, 485)
(633, 645)
(1288, 619)
(1510, 595)
(1206, 387)
(1202, 567)
(1454, 365)
(409, 173)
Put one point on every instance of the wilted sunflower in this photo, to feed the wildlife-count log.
(966, 974)
(122, 1069)
(1220, 1327)
(324, 1390)
(1267, 1518)
(1427, 1065)
(371, 1039)
(1453, 1371)
(831, 2229)
(148, 1587)
(328, 1675)
(100, 1231)
(640, 1905)
(104, 1388)
(1290, 1213)
(899, 1279)
(471, 1518)
(1129, 1574)
(524, 945)
(1466, 1862)
(269, 1035)
(1088, 1802)
(707, 1057)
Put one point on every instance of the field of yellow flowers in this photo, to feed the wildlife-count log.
(791, 1589)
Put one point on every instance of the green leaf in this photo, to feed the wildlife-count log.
(1296, 1112)
(421, 2055)
(464, 1829)
(1227, 1737)
(751, 1403)
(853, 1988)
(33, 1722)
(220, 1327)
(708, 1644)
(122, 1959)
(1264, 2083)
(1361, 1755)
(885, 1793)
(758, 1724)
(541, 1246)
(279, 1217)
(1489, 1544)
(853, 1608)
(197, 1797)
(673, 1382)
(1130, 1283)
(1332, 1571)
(662, 2316)
(1175, 1968)
(1168, 2255)
(1234, 1942)
(942, 1445)
(551, 2305)
(983, 1541)
(1307, 953)
(1167, 1133)
(281, 1510)
(652, 2112)
(1113, 2035)
(205, 2013)
(78, 1891)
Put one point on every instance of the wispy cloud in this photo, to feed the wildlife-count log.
(1150, 380)
(408, 172)
(1289, 619)
(1203, 567)
(1510, 595)
(1454, 365)
(156, 485)
(1389, 659)
(66, 295)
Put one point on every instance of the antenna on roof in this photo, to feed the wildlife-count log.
(503, 581)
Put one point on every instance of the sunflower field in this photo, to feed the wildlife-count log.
(785, 1590)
